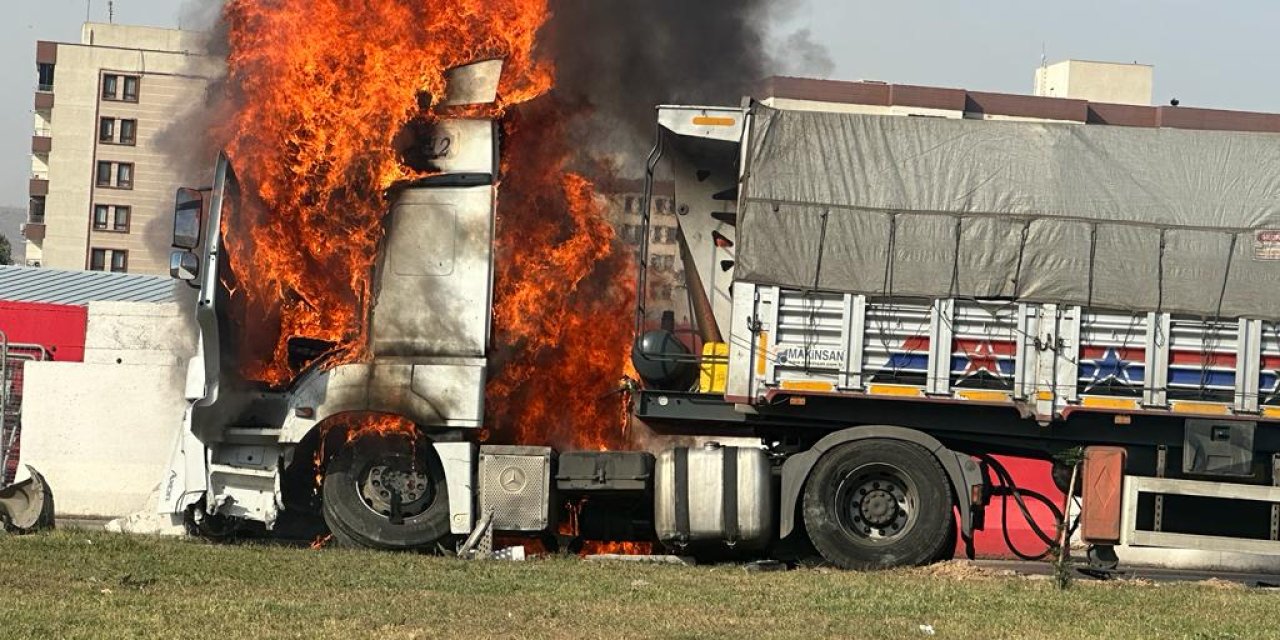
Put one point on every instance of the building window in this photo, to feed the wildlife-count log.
(45, 71)
(107, 130)
(116, 259)
(666, 235)
(131, 88)
(104, 174)
(120, 222)
(101, 214)
(122, 171)
(36, 212)
(108, 217)
(129, 132)
(112, 84)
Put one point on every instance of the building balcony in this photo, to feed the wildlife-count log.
(41, 145)
(34, 231)
(44, 100)
(38, 187)
(34, 228)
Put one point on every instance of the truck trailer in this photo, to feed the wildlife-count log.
(882, 303)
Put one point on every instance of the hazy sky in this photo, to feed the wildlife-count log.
(1214, 54)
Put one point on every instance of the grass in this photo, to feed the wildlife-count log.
(93, 585)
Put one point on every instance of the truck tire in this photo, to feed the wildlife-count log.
(878, 504)
(386, 493)
(948, 549)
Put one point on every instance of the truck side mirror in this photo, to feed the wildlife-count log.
(184, 266)
(187, 213)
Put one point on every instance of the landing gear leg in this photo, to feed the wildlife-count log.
(1102, 557)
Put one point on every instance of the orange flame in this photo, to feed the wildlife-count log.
(596, 548)
(340, 430)
(564, 292)
(318, 92)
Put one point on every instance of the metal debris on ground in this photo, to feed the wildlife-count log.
(656, 559)
(512, 554)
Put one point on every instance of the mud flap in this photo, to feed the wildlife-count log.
(27, 506)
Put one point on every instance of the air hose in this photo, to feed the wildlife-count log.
(1005, 488)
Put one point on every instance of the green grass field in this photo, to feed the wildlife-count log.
(94, 585)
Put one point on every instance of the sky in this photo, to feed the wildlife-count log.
(1209, 54)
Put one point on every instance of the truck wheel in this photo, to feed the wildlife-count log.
(386, 493)
(948, 549)
(878, 504)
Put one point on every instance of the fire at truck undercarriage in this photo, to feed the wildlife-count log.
(414, 319)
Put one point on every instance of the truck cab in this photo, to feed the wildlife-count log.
(248, 452)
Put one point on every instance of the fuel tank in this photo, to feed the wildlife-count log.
(714, 496)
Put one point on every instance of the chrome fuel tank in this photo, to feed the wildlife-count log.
(714, 495)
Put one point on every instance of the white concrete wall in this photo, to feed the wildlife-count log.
(101, 431)
(1110, 82)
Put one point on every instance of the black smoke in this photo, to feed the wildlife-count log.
(623, 57)
(618, 59)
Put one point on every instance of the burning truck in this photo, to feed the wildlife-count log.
(881, 309)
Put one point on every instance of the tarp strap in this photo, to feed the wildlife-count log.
(1093, 258)
(822, 247)
(810, 338)
(682, 493)
(1164, 243)
(890, 251)
(955, 259)
(729, 503)
(1226, 277)
(1159, 326)
(1022, 251)
(1215, 326)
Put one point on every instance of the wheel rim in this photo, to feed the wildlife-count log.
(877, 503)
(395, 488)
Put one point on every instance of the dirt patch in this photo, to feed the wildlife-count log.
(962, 570)
(1219, 583)
(1116, 583)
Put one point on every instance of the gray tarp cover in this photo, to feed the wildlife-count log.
(1114, 217)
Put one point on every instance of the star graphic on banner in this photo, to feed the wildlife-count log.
(1111, 368)
(983, 359)
(1269, 383)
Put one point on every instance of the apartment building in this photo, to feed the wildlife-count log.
(667, 290)
(102, 179)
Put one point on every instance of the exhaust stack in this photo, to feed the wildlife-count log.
(703, 315)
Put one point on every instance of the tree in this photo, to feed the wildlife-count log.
(6, 251)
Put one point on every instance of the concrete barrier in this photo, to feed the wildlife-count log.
(101, 430)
